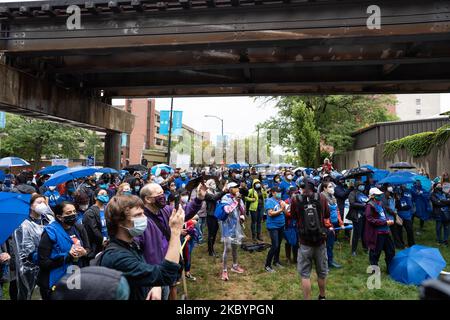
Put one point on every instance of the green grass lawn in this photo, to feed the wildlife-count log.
(350, 282)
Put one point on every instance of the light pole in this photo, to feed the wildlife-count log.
(223, 138)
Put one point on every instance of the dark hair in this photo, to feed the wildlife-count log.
(325, 185)
(34, 197)
(97, 191)
(59, 208)
(80, 197)
(115, 211)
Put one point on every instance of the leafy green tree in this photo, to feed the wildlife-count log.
(332, 117)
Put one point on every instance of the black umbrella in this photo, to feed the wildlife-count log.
(356, 173)
(402, 165)
(135, 167)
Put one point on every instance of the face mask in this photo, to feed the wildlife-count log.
(225, 176)
(41, 208)
(29, 182)
(183, 176)
(83, 207)
(160, 201)
(361, 188)
(137, 188)
(257, 186)
(247, 175)
(390, 189)
(238, 176)
(139, 226)
(127, 193)
(277, 180)
(104, 186)
(103, 198)
(70, 220)
(184, 199)
(278, 195)
(263, 177)
(289, 177)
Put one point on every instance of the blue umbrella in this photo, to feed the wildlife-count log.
(14, 209)
(13, 162)
(51, 169)
(398, 178)
(424, 181)
(262, 165)
(70, 174)
(243, 165)
(378, 174)
(234, 166)
(416, 264)
(107, 170)
(156, 170)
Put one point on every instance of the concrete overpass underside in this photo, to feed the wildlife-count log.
(154, 48)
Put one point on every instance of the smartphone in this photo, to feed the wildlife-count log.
(177, 202)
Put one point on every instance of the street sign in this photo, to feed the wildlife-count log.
(60, 162)
(90, 161)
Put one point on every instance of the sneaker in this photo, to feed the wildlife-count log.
(334, 265)
(190, 277)
(269, 269)
(322, 298)
(225, 275)
(237, 269)
(278, 265)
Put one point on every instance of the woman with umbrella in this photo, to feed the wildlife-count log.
(26, 240)
(441, 213)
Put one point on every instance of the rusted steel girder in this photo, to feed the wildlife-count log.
(24, 94)
(292, 23)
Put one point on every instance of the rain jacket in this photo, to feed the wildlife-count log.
(231, 227)
(252, 196)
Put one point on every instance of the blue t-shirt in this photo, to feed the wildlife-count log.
(284, 186)
(274, 222)
(180, 183)
(103, 222)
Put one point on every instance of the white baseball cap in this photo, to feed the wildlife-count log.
(374, 191)
(232, 185)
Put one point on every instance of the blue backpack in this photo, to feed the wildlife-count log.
(220, 213)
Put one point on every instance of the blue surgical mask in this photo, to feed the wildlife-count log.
(103, 198)
(139, 226)
(361, 188)
(127, 193)
(278, 195)
(104, 186)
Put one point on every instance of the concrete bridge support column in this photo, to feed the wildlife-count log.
(112, 150)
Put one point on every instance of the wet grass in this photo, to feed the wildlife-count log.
(350, 282)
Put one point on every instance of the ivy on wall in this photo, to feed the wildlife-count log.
(417, 145)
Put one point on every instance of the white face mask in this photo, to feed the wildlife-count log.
(83, 207)
(140, 224)
(184, 199)
(390, 189)
(289, 177)
(41, 208)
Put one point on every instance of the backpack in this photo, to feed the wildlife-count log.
(219, 212)
(312, 228)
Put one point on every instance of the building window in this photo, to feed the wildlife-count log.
(417, 112)
(418, 102)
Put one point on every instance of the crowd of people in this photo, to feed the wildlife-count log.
(138, 224)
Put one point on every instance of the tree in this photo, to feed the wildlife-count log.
(330, 117)
(33, 139)
(93, 145)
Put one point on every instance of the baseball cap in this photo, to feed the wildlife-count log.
(374, 191)
(232, 185)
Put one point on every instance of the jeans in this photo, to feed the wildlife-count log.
(276, 236)
(439, 226)
(213, 227)
(331, 239)
(200, 227)
(384, 243)
(256, 220)
(187, 255)
(407, 224)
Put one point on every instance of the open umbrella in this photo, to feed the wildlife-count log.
(51, 169)
(356, 173)
(402, 165)
(262, 165)
(416, 264)
(13, 162)
(234, 166)
(135, 167)
(378, 174)
(14, 209)
(399, 178)
(107, 170)
(156, 170)
(70, 174)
